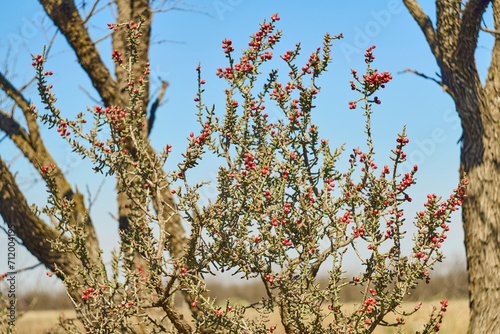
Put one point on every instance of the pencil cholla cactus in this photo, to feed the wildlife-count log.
(283, 212)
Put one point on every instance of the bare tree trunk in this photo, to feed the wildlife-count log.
(453, 44)
(33, 231)
(13, 206)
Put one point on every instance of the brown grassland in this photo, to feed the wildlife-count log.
(43, 315)
(455, 320)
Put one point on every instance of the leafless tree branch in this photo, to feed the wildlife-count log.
(89, 95)
(424, 23)
(156, 104)
(445, 88)
(491, 31)
(67, 18)
(91, 13)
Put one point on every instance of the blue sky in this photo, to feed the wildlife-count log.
(182, 39)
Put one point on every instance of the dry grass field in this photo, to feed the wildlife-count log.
(455, 320)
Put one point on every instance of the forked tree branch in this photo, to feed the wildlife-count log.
(67, 18)
(491, 31)
(17, 134)
(33, 131)
(31, 145)
(469, 33)
(155, 105)
(92, 12)
(39, 156)
(440, 83)
(492, 80)
(425, 25)
(36, 235)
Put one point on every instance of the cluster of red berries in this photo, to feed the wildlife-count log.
(287, 55)
(146, 70)
(265, 171)
(249, 161)
(369, 57)
(369, 303)
(362, 158)
(295, 116)
(385, 171)
(91, 293)
(313, 62)
(314, 59)
(452, 203)
(227, 72)
(227, 45)
(402, 142)
(37, 60)
(220, 313)
(286, 208)
(377, 79)
(354, 73)
(168, 149)
(259, 36)
(444, 305)
(45, 168)
(358, 232)
(346, 218)
(430, 199)
(114, 114)
(142, 273)
(310, 197)
(277, 92)
(63, 127)
(267, 55)
(330, 183)
(427, 277)
(3, 276)
(255, 109)
(244, 64)
(420, 255)
(199, 139)
(406, 182)
(113, 26)
(132, 25)
(388, 233)
(437, 240)
(116, 56)
(265, 30)
(125, 304)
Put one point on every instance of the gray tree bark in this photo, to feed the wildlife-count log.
(453, 42)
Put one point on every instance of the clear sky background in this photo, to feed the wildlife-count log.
(182, 39)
